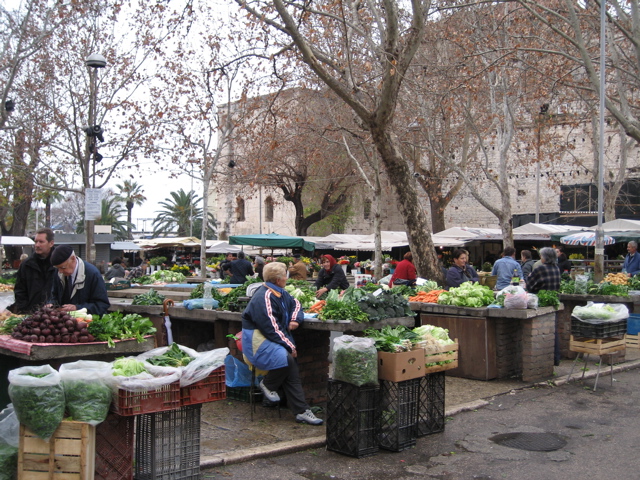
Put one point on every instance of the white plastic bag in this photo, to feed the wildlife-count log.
(532, 300)
(598, 313)
(355, 360)
(517, 301)
(9, 426)
(87, 389)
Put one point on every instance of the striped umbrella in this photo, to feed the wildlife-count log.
(587, 239)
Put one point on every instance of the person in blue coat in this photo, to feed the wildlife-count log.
(631, 264)
(506, 268)
(78, 284)
(268, 344)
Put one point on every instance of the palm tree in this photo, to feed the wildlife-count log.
(110, 214)
(178, 213)
(49, 193)
(131, 194)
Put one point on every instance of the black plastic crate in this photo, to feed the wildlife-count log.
(398, 414)
(352, 420)
(168, 445)
(601, 330)
(243, 394)
(431, 408)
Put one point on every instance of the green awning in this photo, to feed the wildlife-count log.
(272, 240)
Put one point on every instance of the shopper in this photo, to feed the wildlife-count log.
(506, 268)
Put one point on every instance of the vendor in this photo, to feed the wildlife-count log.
(547, 275)
(330, 276)
(405, 273)
(268, 344)
(631, 264)
(116, 270)
(78, 284)
(460, 272)
(298, 270)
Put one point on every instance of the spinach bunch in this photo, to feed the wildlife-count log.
(339, 310)
(152, 297)
(8, 461)
(87, 400)
(548, 298)
(117, 326)
(173, 357)
(40, 407)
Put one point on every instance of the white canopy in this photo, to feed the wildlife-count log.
(9, 240)
(125, 246)
(545, 229)
(219, 246)
(620, 224)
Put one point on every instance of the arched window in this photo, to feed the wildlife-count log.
(268, 209)
(240, 209)
(367, 209)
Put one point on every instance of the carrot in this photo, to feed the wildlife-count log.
(317, 307)
(426, 297)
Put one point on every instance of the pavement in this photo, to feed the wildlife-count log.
(499, 435)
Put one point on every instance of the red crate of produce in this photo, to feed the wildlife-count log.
(167, 397)
(208, 389)
(115, 448)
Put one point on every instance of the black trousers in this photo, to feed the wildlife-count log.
(288, 379)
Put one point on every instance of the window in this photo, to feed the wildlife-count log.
(268, 209)
(240, 209)
(367, 209)
(579, 198)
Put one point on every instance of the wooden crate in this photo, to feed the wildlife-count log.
(632, 341)
(69, 454)
(441, 354)
(596, 346)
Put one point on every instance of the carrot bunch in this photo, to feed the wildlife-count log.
(427, 297)
(317, 307)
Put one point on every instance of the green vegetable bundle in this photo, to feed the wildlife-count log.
(393, 339)
(338, 310)
(151, 297)
(8, 461)
(355, 360)
(38, 398)
(173, 357)
(117, 326)
(548, 298)
(87, 390)
(387, 304)
(467, 295)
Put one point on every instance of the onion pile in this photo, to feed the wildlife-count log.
(52, 325)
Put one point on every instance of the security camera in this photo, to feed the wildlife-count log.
(232, 164)
(97, 132)
(416, 174)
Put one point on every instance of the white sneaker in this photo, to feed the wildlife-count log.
(271, 396)
(308, 417)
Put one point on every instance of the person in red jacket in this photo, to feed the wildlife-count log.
(405, 273)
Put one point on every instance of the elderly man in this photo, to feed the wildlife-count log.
(631, 264)
(78, 284)
(268, 344)
(547, 275)
(298, 270)
(35, 275)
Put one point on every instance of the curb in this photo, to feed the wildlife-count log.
(281, 448)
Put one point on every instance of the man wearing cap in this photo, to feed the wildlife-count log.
(78, 284)
(298, 270)
(35, 275)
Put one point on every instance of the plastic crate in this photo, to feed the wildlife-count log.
(168, 445)
(601, 330)
(431, 406)
(398, 413)
(206, 390)
(243, 394)
(352, 421)
(633, 324)
(114, 448)
(127, 403)
(69, 453)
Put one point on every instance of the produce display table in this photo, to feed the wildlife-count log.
(175, 294)
(194, 327)
(571, 301)
(496, 342)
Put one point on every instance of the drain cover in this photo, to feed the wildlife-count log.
(534, 442)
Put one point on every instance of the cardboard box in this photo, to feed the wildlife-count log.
(397, 367)
(69, 454)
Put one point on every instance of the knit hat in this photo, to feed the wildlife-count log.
(61, 254)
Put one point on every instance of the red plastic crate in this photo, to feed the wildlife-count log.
(115, 448)
(206, 390)
(167, 397)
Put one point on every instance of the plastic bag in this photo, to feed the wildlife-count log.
(598, 313)
(87, 390)
(6, 301)
(580, 284)
(8, 461)
(532, 300)
(38, 401)
(198, 303)
(153, 379)
(237, 373)
(355, 360)
(516, 301)
(9, 426)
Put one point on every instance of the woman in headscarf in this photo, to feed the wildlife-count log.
(330, 276)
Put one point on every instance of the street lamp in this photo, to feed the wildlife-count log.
(93, 133)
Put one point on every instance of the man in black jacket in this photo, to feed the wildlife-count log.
(35, 275)
(240, 268)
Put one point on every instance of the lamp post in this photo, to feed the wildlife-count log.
(93, 131)
(542, 116)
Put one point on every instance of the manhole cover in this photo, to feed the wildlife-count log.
(534, 442)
